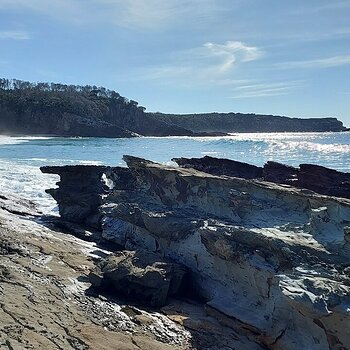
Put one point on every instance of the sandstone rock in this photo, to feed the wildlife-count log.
(80, 192)
(82, 189)
(313, 177)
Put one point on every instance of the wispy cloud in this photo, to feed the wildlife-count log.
(233, 51)
(265, 90)
(211, 63)
(14, 35)
(327, 62)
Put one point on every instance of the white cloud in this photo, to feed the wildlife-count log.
(233, 51)
(265, 90)
(14, 35)
(327, 62)
(211, 63)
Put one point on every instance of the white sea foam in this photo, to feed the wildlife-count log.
(28, 182)
(13, 140)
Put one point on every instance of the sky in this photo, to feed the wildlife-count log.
(185, 56)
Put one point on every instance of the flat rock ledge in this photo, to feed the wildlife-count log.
(271, 262)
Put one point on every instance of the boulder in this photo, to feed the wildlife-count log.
(139, 276)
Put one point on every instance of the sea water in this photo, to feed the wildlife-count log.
(21, 157)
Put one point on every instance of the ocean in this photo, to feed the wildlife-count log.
(21, 157)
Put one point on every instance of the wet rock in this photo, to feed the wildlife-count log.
(19, 206)
(140, 276)
(324, 180)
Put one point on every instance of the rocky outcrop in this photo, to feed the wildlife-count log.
(80, 192)
(309, 176)
(271, 262)
(47, 303)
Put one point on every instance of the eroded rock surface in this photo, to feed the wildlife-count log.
(271, 262)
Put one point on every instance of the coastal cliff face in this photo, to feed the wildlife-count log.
(69, 110)
(271, 262)
(239, 122)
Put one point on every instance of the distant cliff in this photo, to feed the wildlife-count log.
(239, 122)
(71, 110)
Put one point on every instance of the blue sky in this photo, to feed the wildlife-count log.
(183, 56)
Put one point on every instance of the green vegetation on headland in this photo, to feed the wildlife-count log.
(71, 110)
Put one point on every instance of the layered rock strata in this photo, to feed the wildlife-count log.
(270, 261)
(310, 176)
